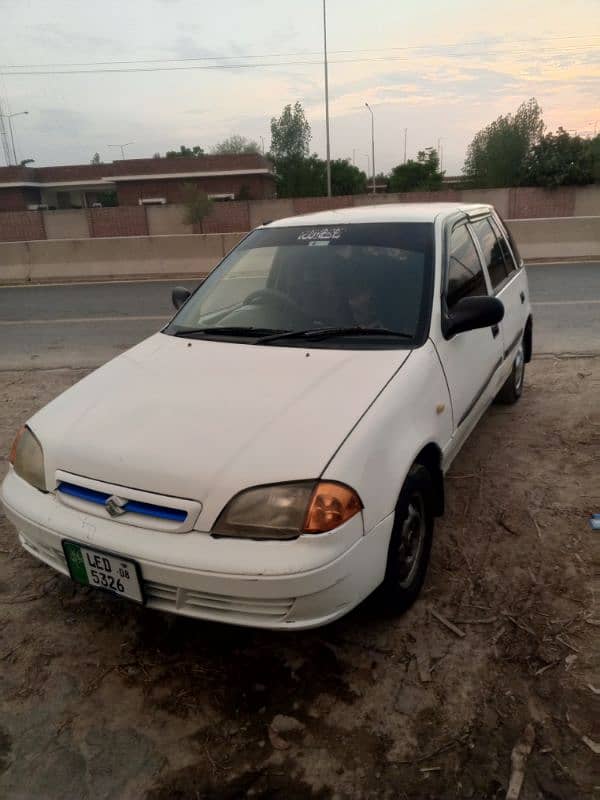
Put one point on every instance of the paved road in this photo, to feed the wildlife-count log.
(83, 325)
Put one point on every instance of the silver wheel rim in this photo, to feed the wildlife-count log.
(519, 368)
(412, 539)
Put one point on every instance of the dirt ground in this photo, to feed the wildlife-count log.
(101, 698)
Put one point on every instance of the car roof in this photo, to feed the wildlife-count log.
(383, 212)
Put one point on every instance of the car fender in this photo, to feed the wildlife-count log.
(412, 413)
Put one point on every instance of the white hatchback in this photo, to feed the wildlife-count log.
(277, 452)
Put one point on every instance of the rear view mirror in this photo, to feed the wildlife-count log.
(179, 295)
(471, 313)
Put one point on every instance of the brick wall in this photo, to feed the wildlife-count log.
(443, 196)
(21, 226)
(205, 163)
(529, 202)
(12, 199)
(229, 217)
(174, 191)
(308, 205)
(72, 172)
(239, 216)
(129, 221)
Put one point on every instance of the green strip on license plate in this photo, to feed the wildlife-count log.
(103, 570)
(74, 558)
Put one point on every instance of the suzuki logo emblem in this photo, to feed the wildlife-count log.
(115, 506)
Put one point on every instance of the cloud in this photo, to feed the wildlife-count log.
(474, 67)
(186, 47)
(56, 37)
(63, 121)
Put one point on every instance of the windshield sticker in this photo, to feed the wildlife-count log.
(318, 244)
(321, 235)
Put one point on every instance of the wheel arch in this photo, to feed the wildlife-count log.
(430, 457)
(528, 339)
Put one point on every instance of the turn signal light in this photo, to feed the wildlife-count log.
(331, 504)
(12, 457)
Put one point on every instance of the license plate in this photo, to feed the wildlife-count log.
(104, 571)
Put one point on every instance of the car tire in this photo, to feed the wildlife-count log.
(410, 543)
(513, 386)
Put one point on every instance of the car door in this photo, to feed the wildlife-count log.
(514, 292)
(470, 360)
(509, 284)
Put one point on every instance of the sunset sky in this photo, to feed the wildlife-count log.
(441, 69)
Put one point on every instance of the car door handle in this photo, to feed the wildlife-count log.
(522, 297)
(495, 330)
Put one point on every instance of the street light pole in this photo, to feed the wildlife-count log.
(326, 99)
(372, 145)
(122, 148)
(368, 157)
(12, 138)
(405, 138)
(11, 132)
(439, 152)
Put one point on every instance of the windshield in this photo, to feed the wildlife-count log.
(371, 276)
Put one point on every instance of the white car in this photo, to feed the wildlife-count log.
(277, 452)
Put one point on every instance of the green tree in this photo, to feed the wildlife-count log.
(290, 134)
(307, 177)
(559, 159)
(346, 178)
(499, 154)
(96, 159)
(595, 151)
(381, 178)
(423, 174)
(300, 177)
(198, 205)
(235, 145)
(300, 174)
(186, 152)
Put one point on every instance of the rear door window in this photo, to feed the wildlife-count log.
(492, 251)
(511, 240)
(509, 261)
(465, 273)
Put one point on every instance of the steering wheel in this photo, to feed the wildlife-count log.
(261, 296)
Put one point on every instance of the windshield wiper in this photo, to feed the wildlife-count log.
(327, 333)
(231, 330)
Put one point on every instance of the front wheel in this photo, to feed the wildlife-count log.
(410, 543)
(513, 386)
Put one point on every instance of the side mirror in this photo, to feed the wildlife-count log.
(471, 313)
(179, 296)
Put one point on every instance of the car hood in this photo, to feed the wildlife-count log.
(204, 419)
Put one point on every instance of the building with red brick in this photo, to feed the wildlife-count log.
(134, 182)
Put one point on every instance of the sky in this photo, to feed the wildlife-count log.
(206, 70)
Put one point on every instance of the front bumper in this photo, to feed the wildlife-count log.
(296, 584)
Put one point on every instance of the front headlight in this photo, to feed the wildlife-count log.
(27, 458)
(285, 510)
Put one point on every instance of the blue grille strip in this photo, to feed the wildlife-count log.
(133, 506)
(85, 494)
(162, 512)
